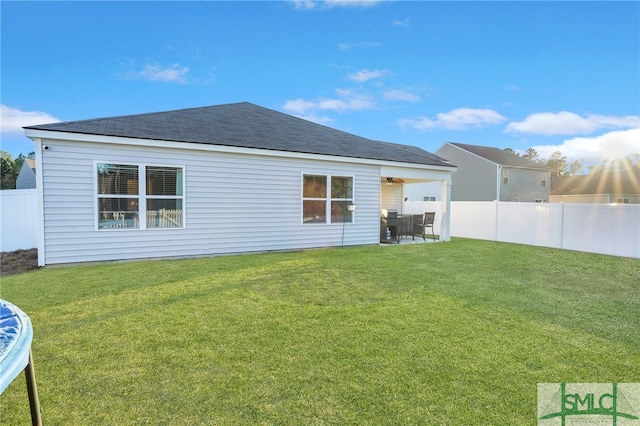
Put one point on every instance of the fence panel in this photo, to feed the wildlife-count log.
(18, 219)
(535, 224)
(476, 220)
(595, 228)
(602, 228)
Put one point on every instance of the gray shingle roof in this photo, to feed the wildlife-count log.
(249, 126)
(499, 156)
(594, 183)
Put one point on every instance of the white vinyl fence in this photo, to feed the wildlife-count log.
(18, 219)
(596, 228)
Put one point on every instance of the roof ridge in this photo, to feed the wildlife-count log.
(142, 114)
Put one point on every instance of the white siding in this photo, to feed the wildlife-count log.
(475, 179)
(391, 196)
(233, 203)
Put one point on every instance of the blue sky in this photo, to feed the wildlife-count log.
(556, 76)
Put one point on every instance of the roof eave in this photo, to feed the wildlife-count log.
(34, 133)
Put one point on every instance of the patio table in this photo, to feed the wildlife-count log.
(16, 334)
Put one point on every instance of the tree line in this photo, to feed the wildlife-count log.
(10, 167)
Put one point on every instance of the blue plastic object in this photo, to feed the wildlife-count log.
(16, 334)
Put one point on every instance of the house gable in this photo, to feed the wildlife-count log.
(487, 173)
(26, 178)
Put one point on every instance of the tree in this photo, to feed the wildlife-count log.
(558, 164)
(628, 167)
(531, 154)
(8, 171)
(575, 168)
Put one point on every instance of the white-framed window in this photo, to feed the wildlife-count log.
(327, 199)
(139, 196)
(505, 176)
(543, 179)
(622, 201)
(428, 198)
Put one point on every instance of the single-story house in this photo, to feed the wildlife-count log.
(27, 176)
(214, 180)
(596, 187)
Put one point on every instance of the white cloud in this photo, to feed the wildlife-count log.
(346, 101)
(327, 4)
(151, 72)
(365, 75)
(593, 150)
(457, 119)
(13, 120)
(569, 123)
(356, 45)
(402, 23)
(401, 95)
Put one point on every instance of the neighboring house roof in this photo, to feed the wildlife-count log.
(31, 163)
(594, 183)
(249, 126)
(499, 156)
(27, 176)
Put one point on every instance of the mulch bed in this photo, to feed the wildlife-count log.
(15, 262)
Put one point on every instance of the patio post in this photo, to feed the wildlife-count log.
(445, 221)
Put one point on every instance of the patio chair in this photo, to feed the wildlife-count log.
(427, 222)
(392, 224)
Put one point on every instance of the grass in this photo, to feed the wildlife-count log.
(455, 333)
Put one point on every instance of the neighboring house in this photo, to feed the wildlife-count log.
(596, 187)
(488, 174)
(223, 179)
(27, 177)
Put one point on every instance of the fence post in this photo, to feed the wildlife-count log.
(496, 209)
(561, 224)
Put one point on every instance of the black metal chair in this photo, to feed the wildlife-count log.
(427, 222)
(392, 224)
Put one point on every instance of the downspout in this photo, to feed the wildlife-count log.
(498, 182)
(497, 202)
(40, 197)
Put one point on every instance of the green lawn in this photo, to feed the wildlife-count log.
(458, 333)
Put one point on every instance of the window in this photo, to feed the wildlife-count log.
(118, 200)
(622, 201)
(543, 179)
(428, 198)
(164, 197)
(327, 197)
(124, 201)
(341, 199)
(314, 199)
(505, 177)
